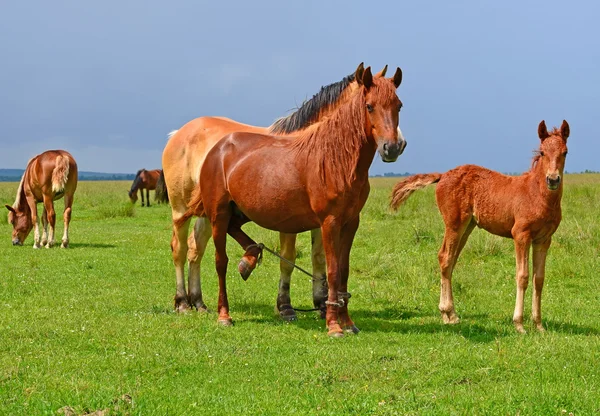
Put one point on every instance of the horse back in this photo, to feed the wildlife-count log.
(53, 172)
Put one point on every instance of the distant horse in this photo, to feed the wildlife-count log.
(525, 208)
(161, 194)
(47, 177)
(182, 160)
(144, 179)
(317, 179)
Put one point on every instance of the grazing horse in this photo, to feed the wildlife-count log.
(317, 179)
(182, 160)
(144, 179)
(47, 177)
(525, 208)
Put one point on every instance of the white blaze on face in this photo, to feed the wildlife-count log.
(401, 140)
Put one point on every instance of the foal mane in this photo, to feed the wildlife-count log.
(310, 110)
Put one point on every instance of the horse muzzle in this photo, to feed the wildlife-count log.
(16, 242)
(390, 151)
(553, 182)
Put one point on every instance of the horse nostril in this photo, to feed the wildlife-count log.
(385, 147)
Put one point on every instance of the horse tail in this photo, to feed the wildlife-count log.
(195, 207)
(161, 193)
(60, 174)
(406, 187)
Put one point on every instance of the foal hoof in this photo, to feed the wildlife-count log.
(287, 313)
(450, 318)
(225, 322)
(352, 329)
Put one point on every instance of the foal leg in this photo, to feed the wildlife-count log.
(179, 248)
(319, 280)
(67, 220)
(45, 227)
(347, 237)
(287, 242)
(539, 271)
(49, 209)
(331, 243)
(197, 245)
(522, 246)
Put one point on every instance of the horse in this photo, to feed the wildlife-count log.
(144, 179)
(316, 179)
(525, 208)
(47, 178)
(161, 193)
(182, 160)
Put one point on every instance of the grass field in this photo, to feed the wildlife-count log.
(92, 327)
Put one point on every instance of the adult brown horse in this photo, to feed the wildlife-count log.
(144, 180)
(318, 179)
(182, 160)
(525, 208)
(47, 177)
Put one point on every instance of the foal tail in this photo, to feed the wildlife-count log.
(161, 193)
(60, 174)
(406, 187)
(195, 207)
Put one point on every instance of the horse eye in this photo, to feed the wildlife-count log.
(369, 108)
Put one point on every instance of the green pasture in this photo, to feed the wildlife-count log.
(92, 328)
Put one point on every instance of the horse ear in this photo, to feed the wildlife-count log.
(543, 131)
(367, 78)
(381, 73)
(397, 77)
(11, 209)
(565, 130)
(358, 74)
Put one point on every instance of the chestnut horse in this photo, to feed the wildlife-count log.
(182, 160)
(525, 208)
(47, 177)
(144, 179)
(317, 179)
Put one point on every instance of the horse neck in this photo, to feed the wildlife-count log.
(136, 183)
(339, 145)
(537, 186)
(21, 204)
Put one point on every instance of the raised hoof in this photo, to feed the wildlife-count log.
(225, 322)
(352, 329)
(245, 268)
(287, 313)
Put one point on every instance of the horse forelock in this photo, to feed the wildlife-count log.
(310, 110)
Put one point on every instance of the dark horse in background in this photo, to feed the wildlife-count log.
(47, 177)
(149, 180)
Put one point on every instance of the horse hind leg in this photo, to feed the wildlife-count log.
(288, 251)
(51, 218)
(197, 245)
(45, 227)
(539, 271)
(319, 280)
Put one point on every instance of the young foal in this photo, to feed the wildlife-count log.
(525, 208)
(144, 179)
(47, 177)
(318, 179)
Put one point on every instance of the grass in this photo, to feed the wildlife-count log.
(92, 327)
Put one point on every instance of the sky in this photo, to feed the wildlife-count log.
(108, 80)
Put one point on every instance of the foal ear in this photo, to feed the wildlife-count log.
(11, 209)
(543, 131)
(397, 78)
(381, 73)
(367, 78)
(358, 74)
(565, 130)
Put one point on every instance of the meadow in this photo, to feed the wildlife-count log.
(92, 328)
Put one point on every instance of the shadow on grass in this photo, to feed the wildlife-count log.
(91, 245)
(569, 328)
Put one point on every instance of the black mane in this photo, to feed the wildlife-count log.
(136, 182)
(310, 109)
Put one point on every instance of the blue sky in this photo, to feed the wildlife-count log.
(108, 80)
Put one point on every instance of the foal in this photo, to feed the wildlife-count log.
(525, 208)
(47, 177)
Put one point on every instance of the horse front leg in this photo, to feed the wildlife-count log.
(35, 222)
(250, 259)
(287, 243)
(67, 220)
(319, 280)
(539, 271)
(197, 246)
(331, 243)
(346, 239)
(142, 194)
(179, 248)
(219, 234)
(522, 245)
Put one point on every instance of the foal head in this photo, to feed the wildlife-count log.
(21, 222)
(552, 153)
(382, 107)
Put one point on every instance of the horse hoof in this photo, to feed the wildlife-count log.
(288, 314)
(540, 328)
(352, 329)
(335, 334)
(245, 268)
(520, 329)
(225, 322)
(202, 308)
(182, 307)
(450, 319)
(65, 244)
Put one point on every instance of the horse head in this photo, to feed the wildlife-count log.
(382, 107)
(21, 222)
(553, 153)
